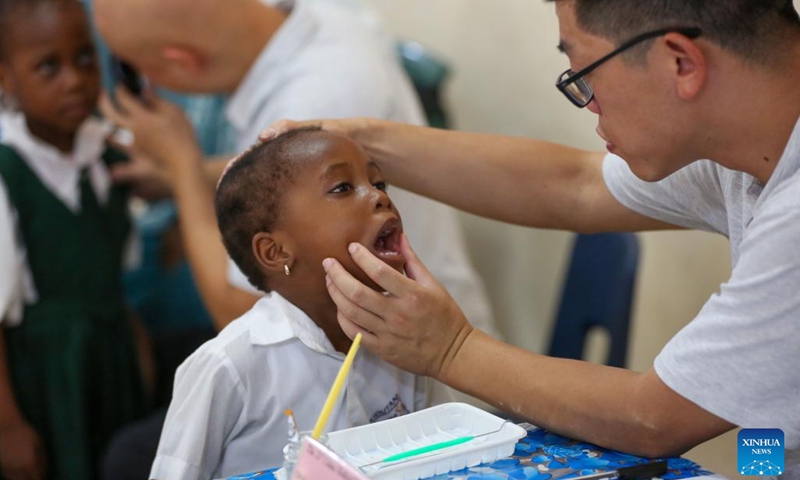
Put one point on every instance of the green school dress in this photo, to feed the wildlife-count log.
(72, 360)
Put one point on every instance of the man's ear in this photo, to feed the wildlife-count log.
(186, 57)
(273, 252)
(690, 65)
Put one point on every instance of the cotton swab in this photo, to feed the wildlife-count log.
(337, 387)
(294, 432)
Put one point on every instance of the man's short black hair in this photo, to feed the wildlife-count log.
(248, 198)
(752, 29)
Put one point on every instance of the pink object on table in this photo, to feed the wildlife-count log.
(316, 462)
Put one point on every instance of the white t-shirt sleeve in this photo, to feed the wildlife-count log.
(691, 197)
(11, 286)
(206, 404)
(739, 357)
(360, 91)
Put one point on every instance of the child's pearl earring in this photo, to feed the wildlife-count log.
(286, 269)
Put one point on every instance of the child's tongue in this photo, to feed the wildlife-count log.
(388, 243)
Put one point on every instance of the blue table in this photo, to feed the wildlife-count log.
(542, 455)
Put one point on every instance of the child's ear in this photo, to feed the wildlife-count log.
(273, 253)
(187, 58)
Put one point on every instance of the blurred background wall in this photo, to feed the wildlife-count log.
(504, 63)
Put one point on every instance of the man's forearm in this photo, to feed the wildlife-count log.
(214, 166)
(611, 407)
(512, 179)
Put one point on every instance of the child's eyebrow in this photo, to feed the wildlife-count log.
(331, 169)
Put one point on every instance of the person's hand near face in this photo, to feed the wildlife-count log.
(349, 127)
(161, 133)
(416, 314)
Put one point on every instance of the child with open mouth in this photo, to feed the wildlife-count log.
(283, 207)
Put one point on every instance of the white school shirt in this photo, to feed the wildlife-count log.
(325, 63)
(60, 173)
(227, 411)
(738, 357)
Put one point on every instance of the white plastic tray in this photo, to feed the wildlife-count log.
(367, 444)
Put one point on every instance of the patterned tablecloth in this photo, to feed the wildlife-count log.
(542, 455)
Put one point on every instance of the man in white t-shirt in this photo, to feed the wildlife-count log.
(671, 83)
(315, 60)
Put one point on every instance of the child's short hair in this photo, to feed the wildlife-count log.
(248, 198)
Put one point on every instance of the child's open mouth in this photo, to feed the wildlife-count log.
(387, 244)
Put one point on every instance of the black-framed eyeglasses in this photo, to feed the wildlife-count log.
(578, 91)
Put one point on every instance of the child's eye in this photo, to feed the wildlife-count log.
(47, 67)
(342, 188)
(382, 186)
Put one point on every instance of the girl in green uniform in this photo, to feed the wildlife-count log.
(68, 370)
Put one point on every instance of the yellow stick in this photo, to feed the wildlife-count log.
(337, 387)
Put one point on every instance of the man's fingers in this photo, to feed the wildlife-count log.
(109, 110)
(385, 276)
(282, 126)
(353, 299)
(149, 95)
(127, 101)
(351, 328)
(415, 269)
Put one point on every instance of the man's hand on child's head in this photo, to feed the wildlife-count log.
(282, 126)
(349, 127)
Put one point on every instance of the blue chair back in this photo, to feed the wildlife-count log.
(598, 292)
(428, 73)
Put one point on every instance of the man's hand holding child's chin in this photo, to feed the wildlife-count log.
(417, 314)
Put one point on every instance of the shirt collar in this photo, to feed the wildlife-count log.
(787, 167)
(266, 74)
(273, 320)
(60, 172)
